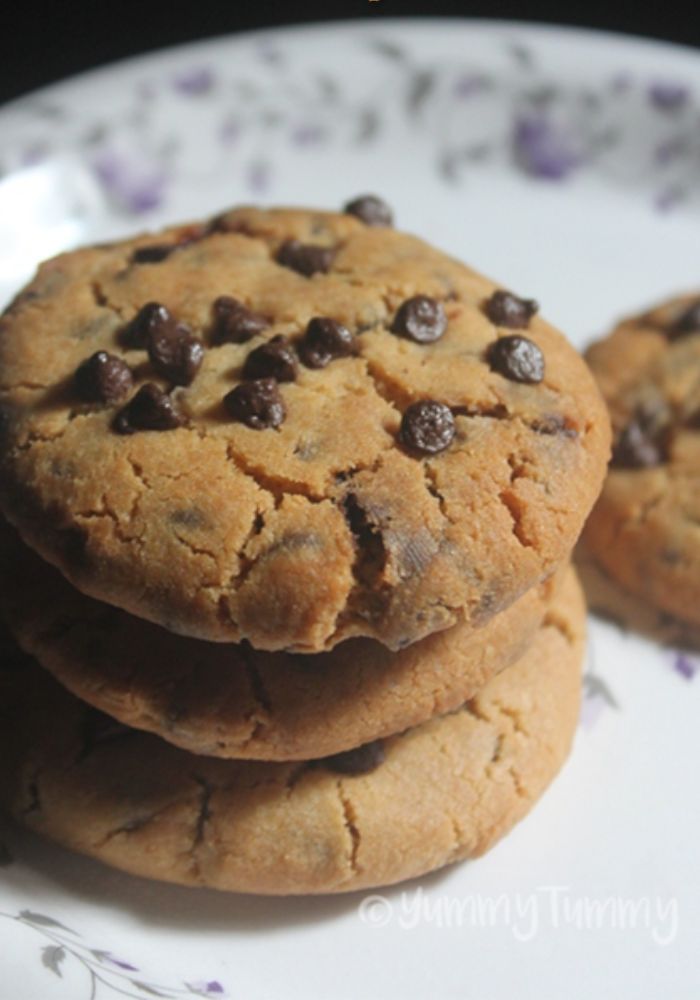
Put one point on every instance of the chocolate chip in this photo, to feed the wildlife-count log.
(275, 359)
(506, 309)
(371, 210)
(256, 404)
(324, 340)
(688, 322)
(639, 447)
(190, 517)
(103, 378)
(360, 760)
(421, 319)
(151, 316)
(153, 254)
(175, 352)
(427, 427)
(517, 359)
(150, 409)
(217, 224)
(157, 252)
(556, 425)
(234, 323)
(306, 258)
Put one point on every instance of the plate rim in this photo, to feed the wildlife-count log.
(638, 45)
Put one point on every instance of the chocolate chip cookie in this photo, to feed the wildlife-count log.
(629, 612)
(438, 793)
(644, 530)
(228, 700)
(293, 427)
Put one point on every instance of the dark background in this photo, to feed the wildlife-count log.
(43, 43)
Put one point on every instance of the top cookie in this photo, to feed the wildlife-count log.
(644, 530)
(293, 427)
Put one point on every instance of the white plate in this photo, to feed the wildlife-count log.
(568, 165)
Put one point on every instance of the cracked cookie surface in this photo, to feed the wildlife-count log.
(644, 531)
(438, 793)
(228, 700)
(318, 520)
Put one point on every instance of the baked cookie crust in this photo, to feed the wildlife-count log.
(180, 440)
(444, 791)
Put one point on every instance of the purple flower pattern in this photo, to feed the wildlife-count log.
(195, 81)
(106, 956)
(134, 184)
(259, 177)
(473, 114)
(106, 974)
(34, 153)
(470, 85)
(668, 95)
(685, 667)
(668, 198)
(543, 148)
(308, 134)
(213, 988)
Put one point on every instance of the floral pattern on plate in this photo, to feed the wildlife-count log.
(507, 108)
(106, 973)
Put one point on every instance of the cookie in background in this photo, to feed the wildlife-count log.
(643, 532)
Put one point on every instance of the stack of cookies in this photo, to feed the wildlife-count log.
(290, 502)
